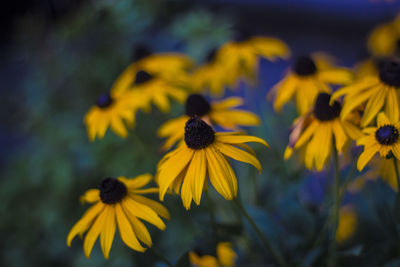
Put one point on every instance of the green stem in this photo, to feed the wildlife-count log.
(347, 180)
(274, 251)
(210, 208)
(160, 256)
(336, 205)
(396, 168)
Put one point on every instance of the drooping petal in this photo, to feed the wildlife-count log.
(171, 168)
(126, 231)
(108, 230)
(143, 212)
(156, 206)
(238, 154)
(83, 224)
(93, 233)
(366, 156)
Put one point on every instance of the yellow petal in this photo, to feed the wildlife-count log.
(366, 156)
(171, 168)
(238, 139)
(227, 103)
(238, 154)
(143, 212)
(126, 231)
(217, 174)
(108, 230)
(157, 207)
(231, 119)
(374, 105)
(392, 105)
(83, 224)
(382, 119)
(138, 181)
(91, 196)
(93, 233)
(198, 165)
(306, 135)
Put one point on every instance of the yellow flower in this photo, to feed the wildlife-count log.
(235, 60)
(347, 223)
(382, 139)
(242, 57)
(225, 257)
(156, 90)
(212, 75)
(309, 77)
(118, 202)
(204, 152)
(112, 109)
(319, 131)
(222, 113)
(384, 39)
(376, 92)
(154, 78)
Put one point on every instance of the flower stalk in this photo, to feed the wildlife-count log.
(274, 251)
(336, 206)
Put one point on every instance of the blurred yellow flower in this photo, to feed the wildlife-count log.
(347, 223)
(309, 76)
(118, 202)
(225, 257)
(222, 113)
(204, 152)
(383, 139)
(376, 92)
(235, 60)
(318, 132)
(384, 39)
(112, 109)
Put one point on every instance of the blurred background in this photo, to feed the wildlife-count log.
(59, 55)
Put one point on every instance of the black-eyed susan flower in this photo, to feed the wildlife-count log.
(235, 60)
(224, 256)
(202, 154)
(222, 113)
(112, 109)
(118, 202)
(377, 92)
(242, 56)
(171, 67)
(309, 76)
(212, 75)
(318, 132)
(383, 139)
(384, 40)
(347, 223)
(156, 90)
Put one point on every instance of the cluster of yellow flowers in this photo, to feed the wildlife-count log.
(365, 109)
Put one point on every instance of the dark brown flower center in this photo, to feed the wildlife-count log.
(389, 73)
(198, 134)
(304, 66)
(142, 77)
(197, 105)
(105, 100)
(211, 55)
(387, 135)
(325, 112)
(140, 51)
(112, 190)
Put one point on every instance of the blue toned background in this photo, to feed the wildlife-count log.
(57, 56)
